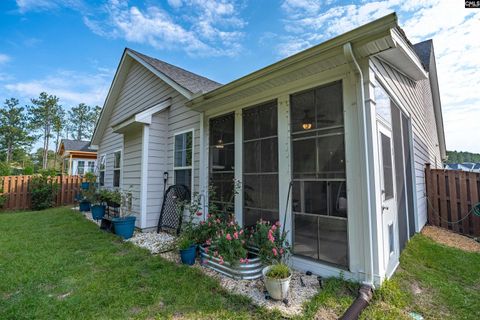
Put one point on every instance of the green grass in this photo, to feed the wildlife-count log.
(56, 265)
(433, 280)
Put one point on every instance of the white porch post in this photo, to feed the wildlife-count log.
(144, 177)
(284, 164)
(239, 165)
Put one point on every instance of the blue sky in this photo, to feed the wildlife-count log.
(71, 48)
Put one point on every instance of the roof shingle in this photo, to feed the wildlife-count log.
(77, 145)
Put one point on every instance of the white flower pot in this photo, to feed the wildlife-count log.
(277, 288)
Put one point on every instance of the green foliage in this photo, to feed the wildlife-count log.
(81, 120)
(43, 189)
(185, 241)
(270, 241)
(3, 197)
(28, 171)
(462, 156)
(5, 169)
(90, 177)
(14, 133)
(278, 271)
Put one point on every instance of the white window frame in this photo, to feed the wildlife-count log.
(104, 156)
(78, 167)
(117, 168)
(89, 168)
(192, 130)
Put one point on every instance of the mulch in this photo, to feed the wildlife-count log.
(451, 239)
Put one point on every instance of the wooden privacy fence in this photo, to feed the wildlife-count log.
(451, 194)
(17, 190)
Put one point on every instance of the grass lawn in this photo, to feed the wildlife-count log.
(55, 264)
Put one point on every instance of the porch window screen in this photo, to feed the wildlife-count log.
(260, 164)
(117, 160)
(91, 166)
(222, 160)
(182, 164)
(319, 199)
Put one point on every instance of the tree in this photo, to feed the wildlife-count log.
(42, 116)
(82, 119)
(462, 156)
(13, 128)
(58, 126)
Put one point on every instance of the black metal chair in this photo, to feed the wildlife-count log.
(171, 214)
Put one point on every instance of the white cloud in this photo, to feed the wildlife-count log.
(454, 31)
(71, 87)
(4, 58)
(44, 5)
(203, 28)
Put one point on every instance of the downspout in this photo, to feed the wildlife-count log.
(350, 57)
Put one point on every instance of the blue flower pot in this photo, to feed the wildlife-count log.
(124, 226)
(84, 206)
(188, 255)
(85, 185)
(98, 211)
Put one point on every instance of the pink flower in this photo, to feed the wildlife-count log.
(229, 237)
(246, 261)
(281, 250)
(277, 223)
(231, 223)
(202, 222)
(241, 231)
(209, 215)
(199, 213)
(235, 235)
(274, 227)
(218, 220)
(215, 253)
(209, 224)
(208, 242)
(275, 253)
(206, 249)
(221, 260)
(241, 260)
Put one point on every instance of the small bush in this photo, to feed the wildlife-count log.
(5, 169)
(43, 189)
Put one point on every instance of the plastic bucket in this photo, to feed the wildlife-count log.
(124, 227)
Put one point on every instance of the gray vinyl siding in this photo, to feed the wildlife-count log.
(142, 90)
(416, 98)
(131, 168)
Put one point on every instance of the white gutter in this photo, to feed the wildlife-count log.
(350, 57)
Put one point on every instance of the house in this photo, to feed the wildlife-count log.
(466, 166)
(77, 157)
(333, 141)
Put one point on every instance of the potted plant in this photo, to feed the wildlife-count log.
(98, 203)
(277, 280)
(124, 223)
(87, 194)
(187, 248)
(90, 179)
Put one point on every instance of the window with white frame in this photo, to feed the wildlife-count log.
(80, 167)
(101, 171)
(117, 160)
(183, 158)
(91, 166)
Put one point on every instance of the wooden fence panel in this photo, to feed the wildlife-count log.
(18, 191)
(451, 195)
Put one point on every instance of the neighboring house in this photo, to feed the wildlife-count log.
(77, 157)
(347, 125)
(466, 166)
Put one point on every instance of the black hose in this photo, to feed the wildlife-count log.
(365, 294)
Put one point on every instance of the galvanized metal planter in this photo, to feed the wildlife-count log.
(243, 271)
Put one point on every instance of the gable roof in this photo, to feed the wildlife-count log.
(424, 50)
(188, 80)
(75, 145)
(185, 82)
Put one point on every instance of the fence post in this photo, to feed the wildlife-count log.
(428, 193)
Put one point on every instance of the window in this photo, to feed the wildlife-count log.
(91, 166)
(66, 168)
(319, 196)
(80, 167)
(117, 160)
(260, 164)
(102, 171)
(391, 239)
(387, 167)
(222, 160)
(183, 155)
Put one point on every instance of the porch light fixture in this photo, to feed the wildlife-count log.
(307, 121)
(219, 144)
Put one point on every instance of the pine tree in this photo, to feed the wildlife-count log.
(82, 119)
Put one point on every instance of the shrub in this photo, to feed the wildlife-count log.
(279, 271)
(5, 169)
(43, 189)
(270, 241)
(3, 197)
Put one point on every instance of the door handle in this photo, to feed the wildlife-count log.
(384, 208)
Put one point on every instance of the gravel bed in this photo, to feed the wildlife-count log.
(451, 239)
(154, 242)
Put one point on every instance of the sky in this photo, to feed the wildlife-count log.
(71, 48)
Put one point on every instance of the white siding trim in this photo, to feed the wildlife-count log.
(144, 177)
(238, 163)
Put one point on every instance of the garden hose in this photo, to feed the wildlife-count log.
(475, 210)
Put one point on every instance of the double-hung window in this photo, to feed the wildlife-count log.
(183, 159)
(117, 161)
(80, 167)
(91, 166)
(101, 171)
